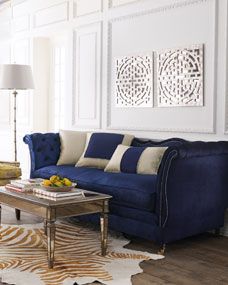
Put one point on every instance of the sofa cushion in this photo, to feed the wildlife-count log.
(100, 148)
(132, 213)
(72, 146)
(141, 160)
(133, 190)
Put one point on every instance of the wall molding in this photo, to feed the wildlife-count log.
(19, 9)
(21, 24)
(226, 78)
(94, 121)
(163, 9)
(39, 13)
(75, 9)
(215, 55)
(111, 5)
(171, 130)
(5, 29)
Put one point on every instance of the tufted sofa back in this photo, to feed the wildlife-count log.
(152, 143)
(44, 149)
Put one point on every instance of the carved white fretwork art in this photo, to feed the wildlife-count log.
(180, 77)
(134, 81)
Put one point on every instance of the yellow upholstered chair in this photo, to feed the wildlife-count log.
(10, 171)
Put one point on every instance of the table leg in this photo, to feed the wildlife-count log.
(18, 214)
(0, 214)
(51, 242)
(45, 226)
(104, 228)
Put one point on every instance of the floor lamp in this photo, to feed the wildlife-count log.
(16, 77)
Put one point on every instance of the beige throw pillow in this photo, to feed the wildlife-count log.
(72, 146)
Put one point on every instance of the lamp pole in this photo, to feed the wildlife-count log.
(15, 123)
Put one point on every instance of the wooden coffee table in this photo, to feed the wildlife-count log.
(49, 210)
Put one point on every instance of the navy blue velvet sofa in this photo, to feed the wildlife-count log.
(188, 196)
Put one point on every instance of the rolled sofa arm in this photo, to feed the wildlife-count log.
(44, 149)
(192, 188)
(200, 149)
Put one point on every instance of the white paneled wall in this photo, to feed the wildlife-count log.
(32, 104)
(5, 22)
(197, 26)
(99, 31)
(5, 95)
(59, 58)
(40, 60)
(95, 32)
(5, 110)
(21, 55)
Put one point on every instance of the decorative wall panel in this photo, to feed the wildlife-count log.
(180, 77)
(86, 98)
(5, 29)
(85, 7)
(21, 24)
(20, 9)
(50, 15)
(134, 81)
(5, 14)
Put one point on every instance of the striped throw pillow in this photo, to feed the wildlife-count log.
(141, 160)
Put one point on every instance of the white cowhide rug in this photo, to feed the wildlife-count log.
(23, 257)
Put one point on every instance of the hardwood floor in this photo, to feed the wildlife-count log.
(197, 260)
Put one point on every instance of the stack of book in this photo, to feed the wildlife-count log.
(56, 196)
(33, 185)
(25, 185)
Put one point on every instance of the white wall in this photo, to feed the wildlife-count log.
(94, 32)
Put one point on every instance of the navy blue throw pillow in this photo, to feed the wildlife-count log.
(102, 145)
(100, 148)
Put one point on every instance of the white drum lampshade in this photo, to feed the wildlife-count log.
(16, 76)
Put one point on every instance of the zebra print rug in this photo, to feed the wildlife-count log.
(23, 257)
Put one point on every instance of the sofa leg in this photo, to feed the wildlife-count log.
(162, 249)
(217, 232)
(18, 214)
